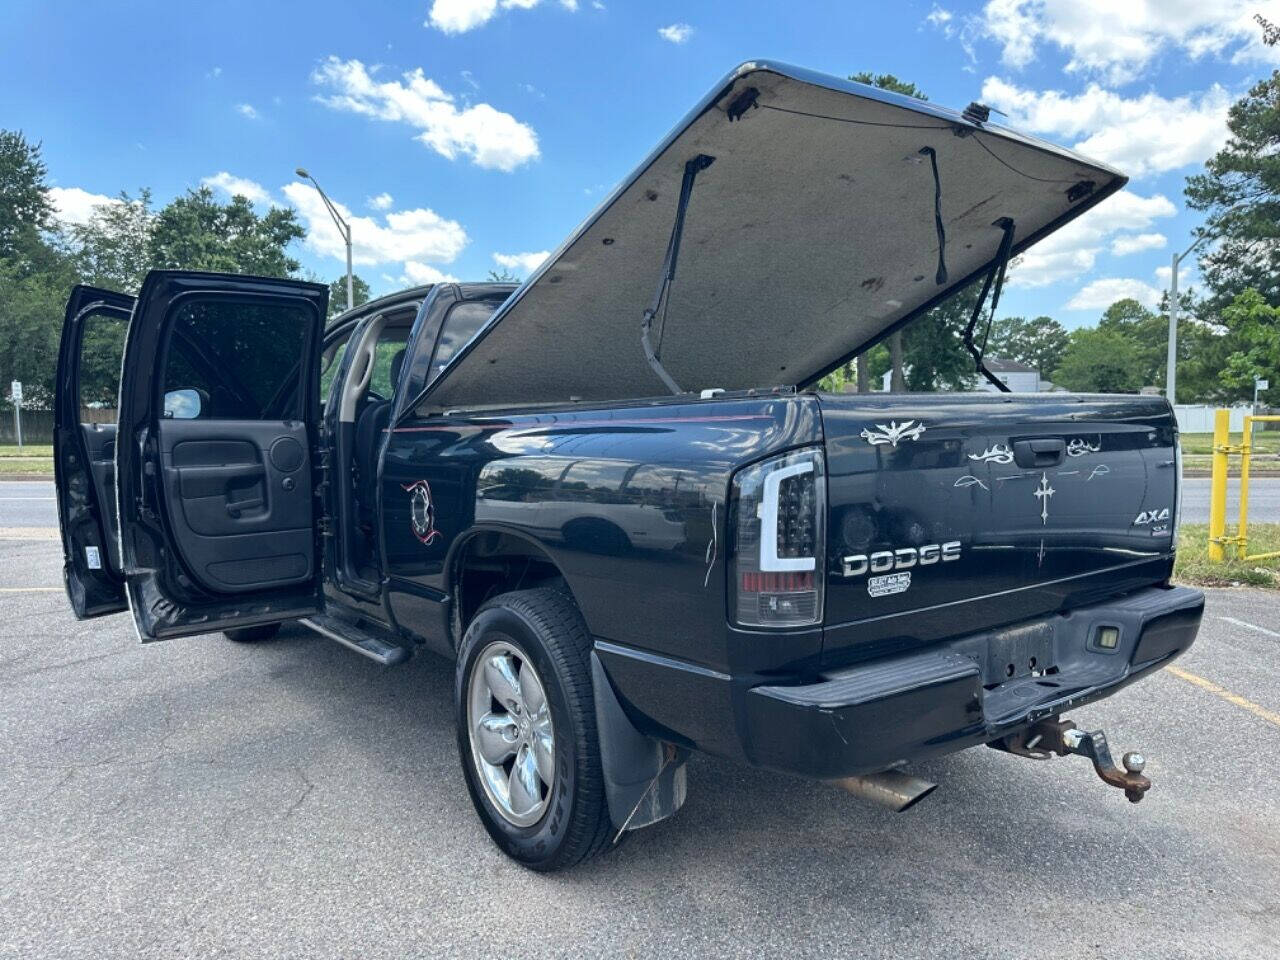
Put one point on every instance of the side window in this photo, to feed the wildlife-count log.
(230, 360)
(329, 363)
(98, 377)
(460, 326)
(391, 342)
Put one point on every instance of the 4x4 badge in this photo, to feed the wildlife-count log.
(422, 511)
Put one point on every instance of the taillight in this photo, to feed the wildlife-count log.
(778, 523)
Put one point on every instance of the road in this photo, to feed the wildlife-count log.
(200, 798)
(31, 503)
(1264, 499)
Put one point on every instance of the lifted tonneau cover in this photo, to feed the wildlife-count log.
(813, 232)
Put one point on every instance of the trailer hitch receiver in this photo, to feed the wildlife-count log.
(1062, 737)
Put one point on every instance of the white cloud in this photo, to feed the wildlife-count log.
(676, 32)
(1116, 42)
(416, 274)
(402, 235)
(1100, 294)
(1129, 243)
(382, 201)
(1140, 135)
(459, 16)
(940, 18)
(215, 73)
(1074, 249)
(74, 205)
(247, 110)
(521, 263)
(489, 137)
(234, 186)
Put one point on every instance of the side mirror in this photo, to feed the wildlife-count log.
(184, 404)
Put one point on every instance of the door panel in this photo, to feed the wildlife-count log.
(100, 445)
(86, 386)
(215, 459)
(230, 484)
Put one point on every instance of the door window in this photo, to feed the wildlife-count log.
(98, 373)
(231, 360)
(460, 326)
(329, 364)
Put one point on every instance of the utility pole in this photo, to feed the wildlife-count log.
(344, 229)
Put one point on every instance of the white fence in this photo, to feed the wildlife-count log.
(1198, 417)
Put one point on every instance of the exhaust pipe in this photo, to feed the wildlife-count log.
(893, 789)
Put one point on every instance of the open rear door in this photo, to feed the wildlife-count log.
(219, 407)
(84, 443)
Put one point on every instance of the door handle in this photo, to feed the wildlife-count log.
(233, 509)
(213, 480)
(1044, 452)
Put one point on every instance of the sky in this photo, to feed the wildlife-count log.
(462, 136)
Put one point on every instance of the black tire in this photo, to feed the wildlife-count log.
(253, 634)
(547, 629)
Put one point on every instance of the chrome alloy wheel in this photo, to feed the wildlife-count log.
(512, 741)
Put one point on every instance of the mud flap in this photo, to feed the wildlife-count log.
(644, 779)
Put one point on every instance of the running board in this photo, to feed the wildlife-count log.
(374, 647)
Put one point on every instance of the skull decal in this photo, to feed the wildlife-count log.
(422, 511)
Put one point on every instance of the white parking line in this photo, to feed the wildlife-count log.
(26, 498)
(1251, 626)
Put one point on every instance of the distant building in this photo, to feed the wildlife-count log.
(1018, 377)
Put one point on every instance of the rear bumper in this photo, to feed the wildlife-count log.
(964, 692)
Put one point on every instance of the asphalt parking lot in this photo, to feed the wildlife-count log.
(203, 798)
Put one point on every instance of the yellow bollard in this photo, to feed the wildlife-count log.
(1242, 530)
(1218, 485)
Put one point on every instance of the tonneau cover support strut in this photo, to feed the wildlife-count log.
(995, 274)
(691, 170)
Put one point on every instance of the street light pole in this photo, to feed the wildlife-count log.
(1171, 369)
(344, 229)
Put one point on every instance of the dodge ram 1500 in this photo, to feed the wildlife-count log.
(615, 497)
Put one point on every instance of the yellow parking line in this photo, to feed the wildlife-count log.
(1268, 715)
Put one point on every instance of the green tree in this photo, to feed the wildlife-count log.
(34, 271)
(26, 210)
(503, 276)
(1039, 343)
(31, 305)
(1098, 360)
(196, 232)
(338, 294)
(113, 249)
(887, 81)
(934, 357)
(1240, 192)
(1256, 326)
(1147, 333)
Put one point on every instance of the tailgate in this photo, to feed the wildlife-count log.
(951, 514)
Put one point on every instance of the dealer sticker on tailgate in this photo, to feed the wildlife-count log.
(890, 584)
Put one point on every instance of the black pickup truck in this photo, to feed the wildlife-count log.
(615, 497)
